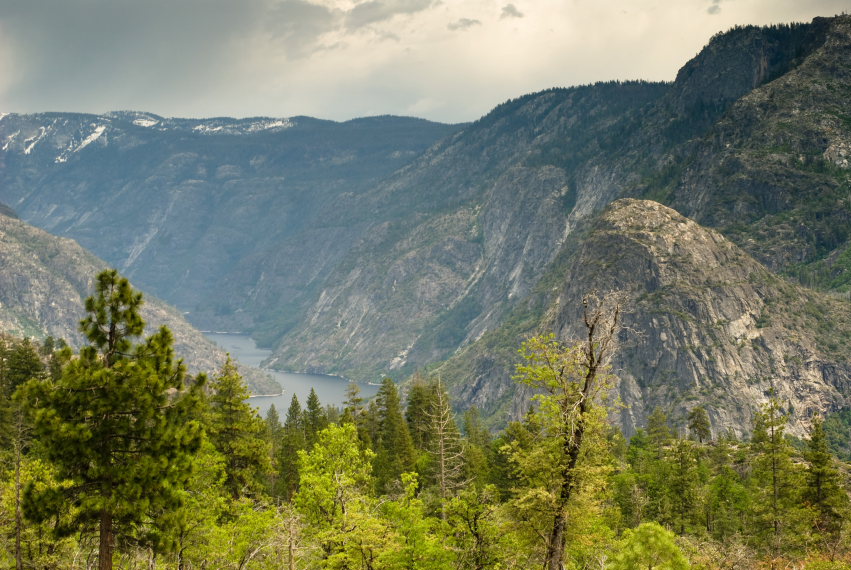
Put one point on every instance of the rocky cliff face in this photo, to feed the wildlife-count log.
(703, 323)
(45, 280)
(516, 184)
(773, 172)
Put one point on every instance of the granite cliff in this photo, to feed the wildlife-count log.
(703, 323)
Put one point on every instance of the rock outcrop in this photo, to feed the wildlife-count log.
(703, 323)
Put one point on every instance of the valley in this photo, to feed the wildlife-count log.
(385, 246)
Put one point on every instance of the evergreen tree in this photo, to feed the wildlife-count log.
(292, 441)
(658, 430)
(698, 424)
(478, 449)
(727, 498)
(19, 363)
(683, 484)
(823, 490)
(778, 512)
(273, 427)
(420, 397)
(315, 419)
(237, 432)
(118, 424)
(394, 447)
(649, 547)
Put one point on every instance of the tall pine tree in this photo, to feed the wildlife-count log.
(118, 423)
(238, 433)
(394, 447)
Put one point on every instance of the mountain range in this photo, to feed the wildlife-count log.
(718, 203)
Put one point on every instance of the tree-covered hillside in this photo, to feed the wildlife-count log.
(115, 458)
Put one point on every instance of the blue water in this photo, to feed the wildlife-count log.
(330, 389)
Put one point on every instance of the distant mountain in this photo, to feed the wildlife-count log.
(388, 245)
(44, 281)
(233, 220)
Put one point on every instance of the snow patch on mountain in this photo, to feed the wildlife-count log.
(145, 122)
(99, 130)
(239, 127)
(73, 147)
(32, 141)
(207, 129)
(271, 124)
(9, 139)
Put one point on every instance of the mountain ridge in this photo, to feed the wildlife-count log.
(363, 257)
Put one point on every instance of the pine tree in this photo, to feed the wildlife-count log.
(19, 363)
(649, 547)
(683, 483)
(315, 418)
(237, 432)
(698, 424)
(420, 397)
(394, 447)
(658, 430)
(292, 441)
(777, 508)
(823, 490)
(118, 424)
(478, 449)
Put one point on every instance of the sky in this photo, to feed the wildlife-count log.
(443, 60)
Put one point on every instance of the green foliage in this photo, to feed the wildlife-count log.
(649, 546)
(698, 424)
(120, 424)
(292, 441)
(779, 517)
(314, 418)
(419, 543)
(492, 505)
(394, 448)
(333, 497)
(238, 433)
(837, 430)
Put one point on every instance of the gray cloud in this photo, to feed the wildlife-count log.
(375, 11)
(136, 49)
(463, 24)
(340, 58)
(510, 11)
(298, 25)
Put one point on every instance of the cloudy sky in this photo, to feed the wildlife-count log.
(446, 60)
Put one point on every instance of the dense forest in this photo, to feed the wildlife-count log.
(116, 457)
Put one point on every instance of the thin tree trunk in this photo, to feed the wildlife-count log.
(19, 562)
(107, 541)
(558, 539)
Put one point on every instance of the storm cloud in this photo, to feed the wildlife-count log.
(346, 58)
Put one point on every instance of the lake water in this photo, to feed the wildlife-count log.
(330, 389)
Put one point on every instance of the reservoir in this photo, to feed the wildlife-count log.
(330, 389)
